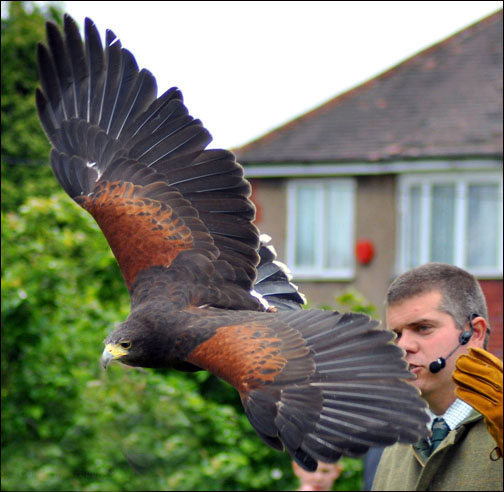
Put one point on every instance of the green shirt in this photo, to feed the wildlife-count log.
(461, 462)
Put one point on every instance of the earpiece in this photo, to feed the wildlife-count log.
(465, 336)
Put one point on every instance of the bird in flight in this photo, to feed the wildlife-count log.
(178, 219)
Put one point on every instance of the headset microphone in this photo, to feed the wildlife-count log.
(465, 336)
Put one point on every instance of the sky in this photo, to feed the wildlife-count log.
(245, 68)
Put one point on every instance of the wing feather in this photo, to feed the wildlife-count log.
(63, 80)
(294, 395)
(96, 64)
(112, 80)
(138, 163)
(167, 107)
(79, 70)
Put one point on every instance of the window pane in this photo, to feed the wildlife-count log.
(442, 223)
(454, 218)
(413, 230)
(481, 231)
(338, 227)
(306, 212)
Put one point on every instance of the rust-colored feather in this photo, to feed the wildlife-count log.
(141, 232)
(247, 356)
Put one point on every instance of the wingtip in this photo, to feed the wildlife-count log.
(89, 25)
(111, 38)
(70, 24)
(52, 29)
(40, 47)
(44, 59)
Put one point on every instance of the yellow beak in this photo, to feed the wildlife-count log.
(110, 352)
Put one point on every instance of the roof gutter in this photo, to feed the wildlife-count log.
(276, 170)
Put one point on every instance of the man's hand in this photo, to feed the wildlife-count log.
(479, 383)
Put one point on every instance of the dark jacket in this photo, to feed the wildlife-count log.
(461, 462)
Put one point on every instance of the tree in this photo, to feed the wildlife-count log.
(24, 146)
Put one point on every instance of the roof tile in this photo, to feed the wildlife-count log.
(446, 101)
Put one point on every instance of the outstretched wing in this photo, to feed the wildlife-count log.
(137, 162)
(319, 383)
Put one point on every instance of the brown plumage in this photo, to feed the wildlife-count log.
(179, 221)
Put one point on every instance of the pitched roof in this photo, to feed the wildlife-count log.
(446, 101)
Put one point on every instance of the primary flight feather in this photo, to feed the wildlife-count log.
(180, 223)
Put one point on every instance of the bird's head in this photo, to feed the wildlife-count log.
(134, 344)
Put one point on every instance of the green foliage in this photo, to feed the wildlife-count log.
(24, 145)
(350, 301)
(354, 301)
(66, 424)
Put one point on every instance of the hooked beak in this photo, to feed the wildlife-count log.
(106, 358)
(111, 352)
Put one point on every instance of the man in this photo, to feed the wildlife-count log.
(429, 308)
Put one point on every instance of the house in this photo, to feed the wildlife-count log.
(404, 169)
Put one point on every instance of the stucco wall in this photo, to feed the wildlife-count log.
(269, 196)
(375, 220)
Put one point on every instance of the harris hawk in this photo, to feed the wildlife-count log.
(179, 221)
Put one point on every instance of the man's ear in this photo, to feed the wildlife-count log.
(480, 328)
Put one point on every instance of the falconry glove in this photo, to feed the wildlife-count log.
(478, 375)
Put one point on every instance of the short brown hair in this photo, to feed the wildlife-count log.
(461, 293)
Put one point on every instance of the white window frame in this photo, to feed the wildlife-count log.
(318, 271)
(462, 180)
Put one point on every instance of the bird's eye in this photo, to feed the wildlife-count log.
(125, 344)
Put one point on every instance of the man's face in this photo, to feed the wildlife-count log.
(426, 334)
